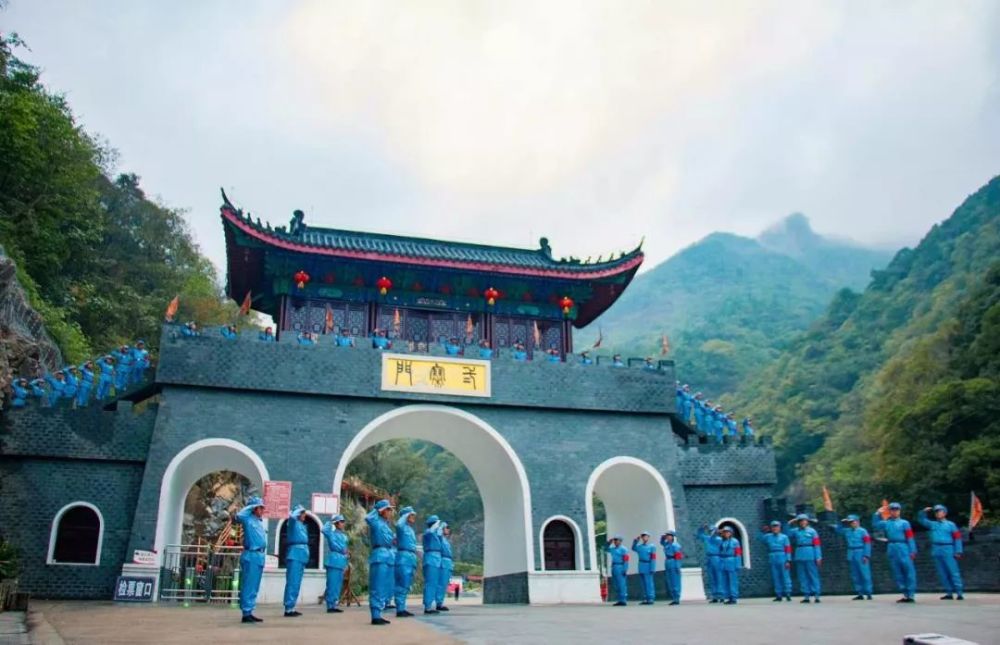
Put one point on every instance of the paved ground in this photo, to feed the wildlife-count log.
(13, 628)
(74, 623)
(837, 620)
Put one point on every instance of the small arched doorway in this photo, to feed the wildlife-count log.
(76, 535)
(559, 546)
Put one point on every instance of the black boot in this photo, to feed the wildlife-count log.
(443, 608)
(255, 619)
(619, 604)
(804, 601)
(403, 614)
(292, 614)
(868, 597)
(379, 621)
(334, 610)
(777, 599)
(947, 596)
(959, 597)
(858, 598)
(816, 600)
(248, 619)
(788, 598)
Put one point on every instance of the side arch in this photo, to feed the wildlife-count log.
(636, 498)
(577, 540)
(320, 552)
(191, 464)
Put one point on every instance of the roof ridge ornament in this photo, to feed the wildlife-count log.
(296, 225)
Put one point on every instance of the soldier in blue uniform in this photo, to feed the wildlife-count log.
(432, 564)
(859, 555)
(485, 351)
(38, 388)
(518, 352)
(585, 358)
(335, 562)
(808, 556)
(141, 356)
(447, 566)
(86, 384)
(229, 332)
(713, 564)
(296, 557)
(452, 348)
(406, 557)
(57, 383)
(649, 364)
(646, 553)
(748, 427)
(672, 557)
(123, 370)
(380, 340)
(266, 336)
(190, 329)
(19, 392)
(306, 338)
(902, 550)
(731, 425)
(619, 569)
(252, 558)
(381, 560)
(616, 361)
(731, 557)
(779, 559)
(344, 339)
(554, 356)
(107, 377)
(946, 549)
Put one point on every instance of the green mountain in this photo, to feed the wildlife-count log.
(896, 391)
(729, 304)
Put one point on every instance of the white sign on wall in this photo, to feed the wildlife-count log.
(325, 503)
(144, 557)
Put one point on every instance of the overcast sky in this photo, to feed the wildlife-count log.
(593, 123)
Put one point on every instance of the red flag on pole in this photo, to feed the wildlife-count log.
(600, 338)
(538, 335)
(827, 502)
(976, 512)
(245, 307)
(328, 322)
(172, 309)
(664, 345)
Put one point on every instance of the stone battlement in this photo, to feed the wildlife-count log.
(325, 369)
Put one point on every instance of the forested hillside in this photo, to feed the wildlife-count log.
(894, 391)
(98, 258)
(729, 304)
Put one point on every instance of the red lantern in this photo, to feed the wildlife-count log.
(566, 303)
(491, 295)
(301, 279)
(384, 284)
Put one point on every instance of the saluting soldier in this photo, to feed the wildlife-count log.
(432, 564)
(447, 566)
(252, 557)
(619, 567)
(859, 555)
(902, 549)
(946, 549)
(406, 558)
(672, 557)
(808, 556)
(647, 565)
(381, 560)
(779, 559)
(296, 557)
(731, 555)
(713, 564)
(335, 561)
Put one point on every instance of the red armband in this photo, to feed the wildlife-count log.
(867, 539)
(625, 558)
(788, 548)
(956, 535)
(738, 551)
(908, 534)
(678, 556)
(652, 556)
(816, 541)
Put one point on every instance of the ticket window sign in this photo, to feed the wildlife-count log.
(277, 499)
(436, 375)
(134, 589)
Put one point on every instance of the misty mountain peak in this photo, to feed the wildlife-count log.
(792, 236)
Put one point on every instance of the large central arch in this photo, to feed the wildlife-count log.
(493, 464)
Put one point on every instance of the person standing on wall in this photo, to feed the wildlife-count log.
(335, 562)
(252, 557)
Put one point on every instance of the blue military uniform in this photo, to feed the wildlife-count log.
(646, 553)
(141, 357)
(619, 569)
(37, 388)
(71, 385)
(807, 554)
(381, 561)
(106, 379)
(344, 340)
(447, 566)
(902, 551)
(86, 385)
(859, 555)
(406, 559)
(20, 394)
(55, 388)
(336, 561)
(731, 558)
(125, 362)
(673, 554)
(713, 564)
(946, 548)
(252, 557)
(296, 557)
(779, 558)
(432, 563)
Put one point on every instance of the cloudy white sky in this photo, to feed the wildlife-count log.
(594, 123)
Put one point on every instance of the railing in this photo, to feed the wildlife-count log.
(8, 590)
(200, 573)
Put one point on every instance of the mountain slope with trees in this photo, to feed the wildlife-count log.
(894, 391)
(729, 304)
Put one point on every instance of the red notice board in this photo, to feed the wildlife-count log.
(277, 499)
